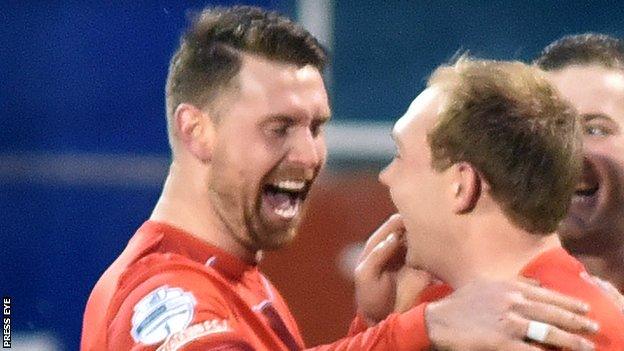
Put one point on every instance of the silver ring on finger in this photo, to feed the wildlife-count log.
(537, 331)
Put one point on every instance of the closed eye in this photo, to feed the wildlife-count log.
(280, 130)
(317, 127)
(278, 126)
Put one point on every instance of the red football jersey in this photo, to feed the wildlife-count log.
(171, 291)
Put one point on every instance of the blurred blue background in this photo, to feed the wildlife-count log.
(83, 147)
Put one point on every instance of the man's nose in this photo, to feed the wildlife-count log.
(305, 150)
(383, 175)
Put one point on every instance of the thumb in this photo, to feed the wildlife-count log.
(394, 224)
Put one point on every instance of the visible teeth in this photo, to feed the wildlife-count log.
(289, 212)
(290, 184)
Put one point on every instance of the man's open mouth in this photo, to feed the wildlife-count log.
(283, 198)
(587, 189)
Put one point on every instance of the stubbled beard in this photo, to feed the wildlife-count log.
(246, 223)
(262, 235)
(595, 238)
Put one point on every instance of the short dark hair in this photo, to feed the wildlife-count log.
(210, 52)
(582, 49)
(506, 120)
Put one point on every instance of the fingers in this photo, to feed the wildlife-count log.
(394, 224)
(553, 315)
(496, 315)
(521, 346)
(562, 313)
(562, 339)
(529, 281)
(518, 327)
(372, 264)
(611, 291)
(553, 298)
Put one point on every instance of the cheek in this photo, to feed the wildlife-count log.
(402, 188)
(242, 164)
(262, 152)
(610, 147)
(235, 157)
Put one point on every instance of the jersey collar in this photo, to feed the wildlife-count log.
(552, 262)
(179, 241)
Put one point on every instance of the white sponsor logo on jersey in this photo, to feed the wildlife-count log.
(162, 312)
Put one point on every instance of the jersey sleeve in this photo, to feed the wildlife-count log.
(406, 331)
(178, 308)
(432, 293)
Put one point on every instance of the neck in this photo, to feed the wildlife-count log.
(496, 251)
(185, 203)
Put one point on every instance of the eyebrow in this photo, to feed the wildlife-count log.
(593, 116)
(322, 118)
(281, 118)
(292, 120)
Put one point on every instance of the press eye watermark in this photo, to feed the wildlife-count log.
(6, 322)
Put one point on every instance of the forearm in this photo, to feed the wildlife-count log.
(404, 331)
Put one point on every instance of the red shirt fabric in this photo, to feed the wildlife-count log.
(557, 270)
(171, 291)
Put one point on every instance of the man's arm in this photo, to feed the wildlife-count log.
(399, 332)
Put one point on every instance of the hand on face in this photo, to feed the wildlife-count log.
(383, 282)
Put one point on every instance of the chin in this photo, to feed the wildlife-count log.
(573, 227)
(580, 230)
(273, 239)
(413, 259)
(588, 237)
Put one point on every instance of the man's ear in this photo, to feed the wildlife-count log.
(196, 131)
(466, 187)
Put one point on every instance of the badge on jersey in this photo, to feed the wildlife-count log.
(162, 312)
